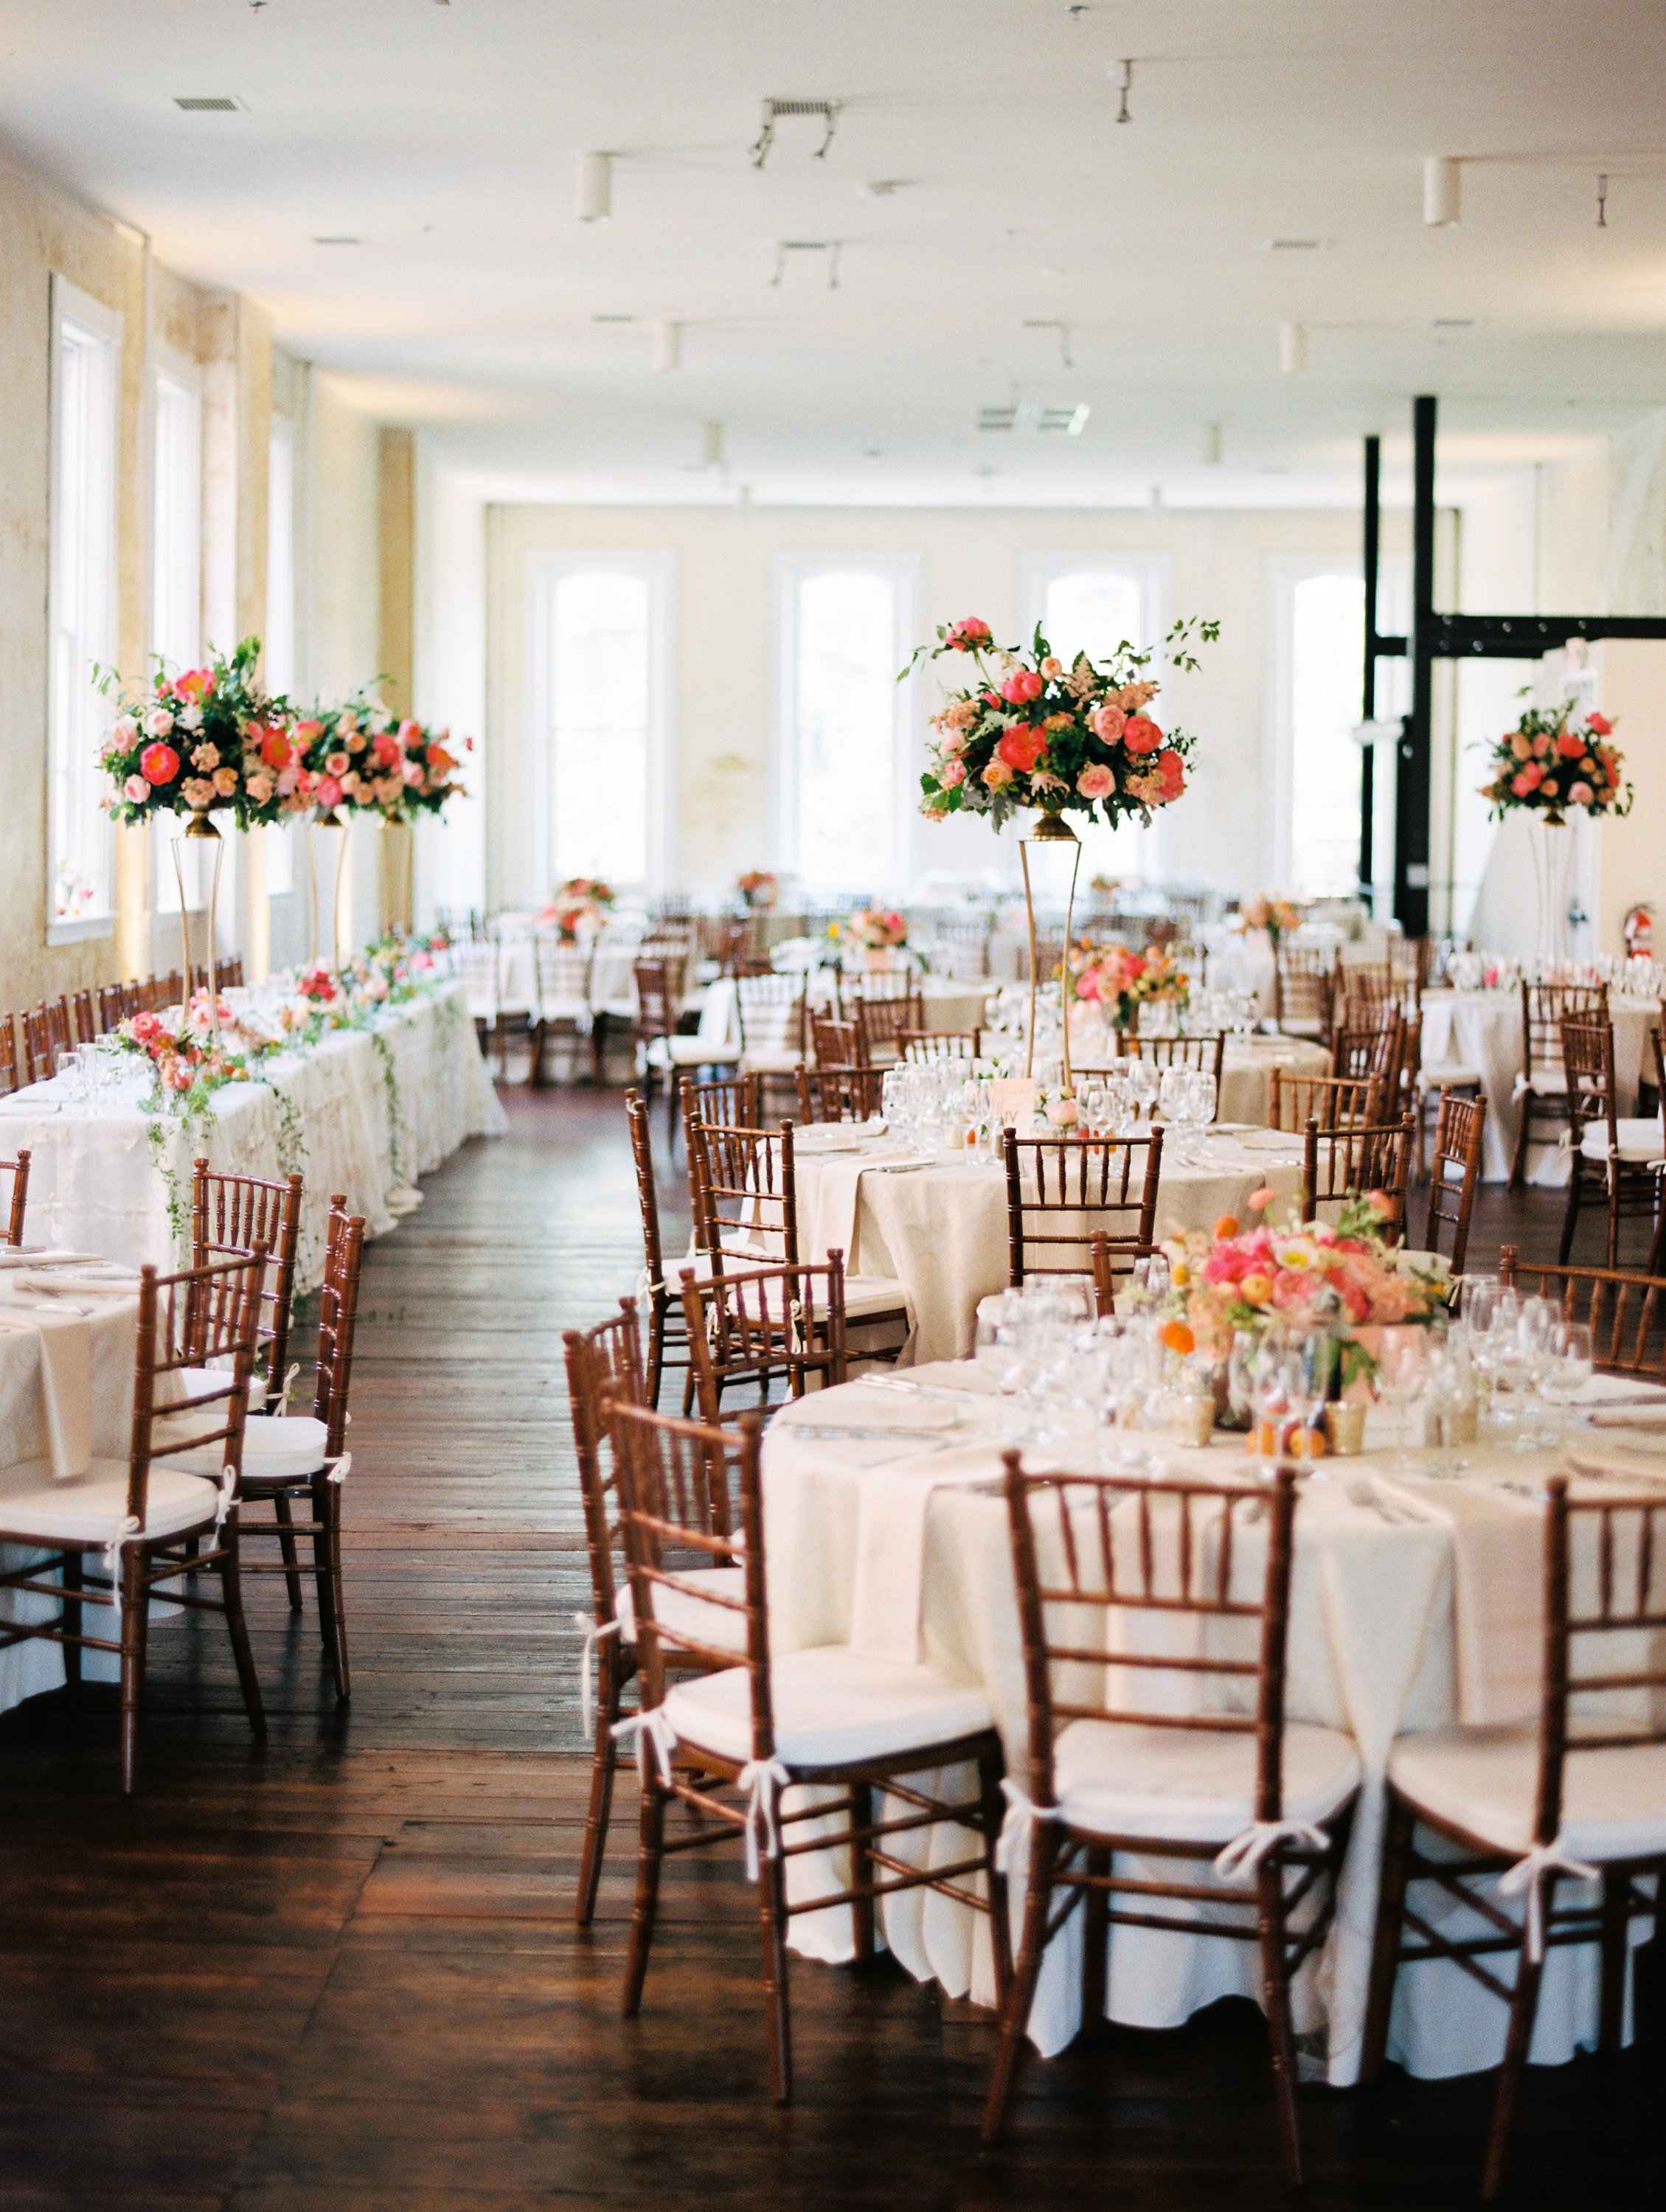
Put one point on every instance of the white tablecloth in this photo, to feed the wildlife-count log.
(941, 1229)
(364, 1114)
(948, 1006)
(1375, 1637)
(1246, 1072)
(1482, 1030)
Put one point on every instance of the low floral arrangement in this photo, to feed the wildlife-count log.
(1546, 766)
(203, 740)
(578, 909)
(1119, 983)
(872, 929)
(1279, 917)
(758, 890)
(1104, 885)
(1068, 740)
(188, 1066)
(1340, 1276)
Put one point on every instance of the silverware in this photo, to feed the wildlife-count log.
(825, 1430)
(1361, 1493)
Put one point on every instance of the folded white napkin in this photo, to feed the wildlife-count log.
(829, 1205)
(1497, 1592)
(886, 1603)
(66, 1383)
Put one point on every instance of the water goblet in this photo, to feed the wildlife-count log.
(1399, 1379)
(1569, 1362)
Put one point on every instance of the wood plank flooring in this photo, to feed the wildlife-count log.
(339, 1974)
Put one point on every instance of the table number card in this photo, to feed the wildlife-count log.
(1013, 1098)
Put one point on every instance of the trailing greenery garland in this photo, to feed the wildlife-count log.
(395, 1119)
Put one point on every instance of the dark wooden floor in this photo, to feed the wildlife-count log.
(339, 1974)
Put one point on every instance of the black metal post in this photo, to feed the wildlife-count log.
(1412, 777)
(1368, 695)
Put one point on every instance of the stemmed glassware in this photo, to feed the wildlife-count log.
(1400, 1379)
(1568, 1364)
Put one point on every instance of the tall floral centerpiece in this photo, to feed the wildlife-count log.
(880, 934)
(579, 909)
(758, 890)
(1547, 767)
(205, 741)
(1279, 917)
(1030, 732)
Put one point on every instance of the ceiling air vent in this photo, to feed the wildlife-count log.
(997, 418)
(1069, 419)
(214, 104)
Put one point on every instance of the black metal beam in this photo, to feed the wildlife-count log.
(1368, 702)
(1413, 754)
(1524, 637)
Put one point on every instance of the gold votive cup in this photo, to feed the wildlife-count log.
(1345, 1425)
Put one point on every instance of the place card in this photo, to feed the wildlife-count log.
(1013, 1098)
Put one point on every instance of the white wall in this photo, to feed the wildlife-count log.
(723, 722)
(450, 680)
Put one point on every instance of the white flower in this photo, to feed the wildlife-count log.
(123, 730)
(191, 717)
(159, 723)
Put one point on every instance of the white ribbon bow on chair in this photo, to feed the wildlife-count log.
(1529, 1875)
(341, 1466)
(651, 1728)
(588, 1657)
(1242, 1857)
(1022, 1814)
(755, 1778)
(113, 1551)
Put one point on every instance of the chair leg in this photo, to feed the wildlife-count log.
(286, 1544)
(673, 1075)
(231, 1591)
(1385, 1946)
(861, 1872)
(658, 1302)
(1523, 2008)
(1026, 1972)
(649, 1854)
(772, 1910)
(135, 1622)
(989, 1770)
(601, 1787)
(327, 1565)
(1275, 1991)
(74, 1616)
(1613, 1217)
(1096, 1934)
(1616, 1959)
(1518, 1157)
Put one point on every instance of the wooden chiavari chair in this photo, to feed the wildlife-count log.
(230, 1214)
(829, 1718)
(659, 1045)
(18, 1197)
(1614, 1163)
(772, 1024)
(148, 1518)
(1454, 1174)
(666, 1344)
(939, 1044)
(883, 1016)
(38, 1046)
(83, 1022)
(12, 1064)
(1061, 1190)
(727, 1099)
(1372, 1161)
(563, 1008)
(837, 1042)
(1102, 1258)
(173, 991)
(1112, 1762)
(1579, 1792)
(1625, 1309)
(1368, 1044)
(1206, 1053)
(1541, 1086)
(604, 1363)
(840, 1094)
(111, 1006)
(763, 1325)
(1304, 985)
(1404, 1097)
(1334, 1101)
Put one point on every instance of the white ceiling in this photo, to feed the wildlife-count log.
(443, 133)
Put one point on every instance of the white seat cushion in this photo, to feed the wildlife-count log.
(92, 1508)
(1192, 1785)
(277, 1448)
(1449, 1078)
(196, 1382)
(682, 1611)
(767, 1060)
(692, 1052)
(1483, 1780)
(1542, 1080)
(866, 1294)
(832, 1707)
(1639, 1139)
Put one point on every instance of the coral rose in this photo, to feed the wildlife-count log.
(305, 732)
(1570, 745)
(968, 635)
(997, 774)
(1171, 769)
(1600, 724)
(1096, 782)
(1022, 747)
(386, 749)
(275, 748)
(1107, 724)
(1021, 687)
(1140, 734)
(159, 764)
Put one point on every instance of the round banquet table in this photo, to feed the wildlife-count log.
(1413, 1606)
(1246, 1072)
(949, 1005)
(1482, 1030)
(940, 1226)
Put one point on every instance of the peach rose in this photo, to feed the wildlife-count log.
(1096, 782)
(1580, 794)
(997, 774)
(225, 781)
(337, 763)
(1107, 724)
(136, 788)
(197, 791)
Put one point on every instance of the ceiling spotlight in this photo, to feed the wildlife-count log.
(338, 241)
(773, 110)
(1125, 86)
(1442, 175)
(1293, 348)
(1602, 203)
(830, 246)
(613, 319)
(1211, 445)
(1063, 330)
(595, 187)
(667, 346)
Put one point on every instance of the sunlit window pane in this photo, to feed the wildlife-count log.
(600, 693)
(1327, 624)
(82, 553)
(844, 712)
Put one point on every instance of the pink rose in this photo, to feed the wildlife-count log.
(386, 749)
(159, 723)
(136, 788)
(123, 730)
(328, 792)
(349, 780)
(968, 634)
(1540, 746)
(337, 763)
(997, 774)
(413, 771)
(1021, 687)
(1140, 734)
(1107, 724)
(951, 774)
(1520, 785)
(1096, 782)
(1580, 794)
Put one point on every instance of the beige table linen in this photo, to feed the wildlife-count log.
(1384, 1637)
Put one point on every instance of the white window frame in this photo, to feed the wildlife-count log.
(1153, 573)
(545, 571)
(1283, 572)
(179, 370)
(280, 836)
(103, 325)
(905, 573)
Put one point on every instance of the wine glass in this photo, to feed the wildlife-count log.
(1144, 1083)
(1171, 1099)
(1569, 1362)
(996, 1348)
(1399, 1372)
